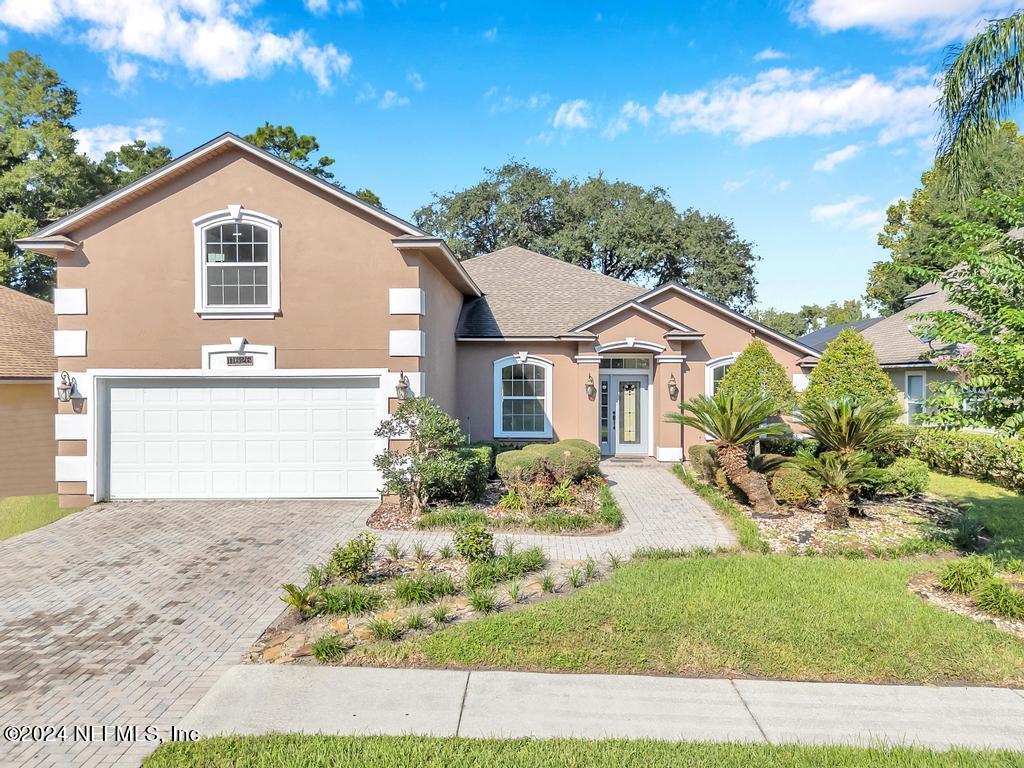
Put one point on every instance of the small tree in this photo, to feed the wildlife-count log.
(840, 474)
(433, 437)
(849, 369)
(757, 374)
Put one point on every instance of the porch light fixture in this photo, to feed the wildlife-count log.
(66, 388)
(673, 388)
(402, 387)
(591, 389)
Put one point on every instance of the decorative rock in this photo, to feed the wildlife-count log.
(363, 634)
(339, 625)
(271, 653)
(277, 638)
(302, 650)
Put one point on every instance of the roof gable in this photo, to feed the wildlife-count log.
(632, 306)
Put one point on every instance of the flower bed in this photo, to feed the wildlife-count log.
(360, 597)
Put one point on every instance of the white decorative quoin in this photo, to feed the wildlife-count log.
(407, 343)
(69, 301)
(69, 343)
(407, 301)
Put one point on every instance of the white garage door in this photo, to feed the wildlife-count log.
(254, 439)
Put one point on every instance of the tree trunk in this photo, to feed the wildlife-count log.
(733, 459)
(837, 511)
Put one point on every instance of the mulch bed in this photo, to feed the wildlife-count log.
(926, 586)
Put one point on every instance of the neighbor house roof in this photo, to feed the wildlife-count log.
(821, 337)
(528, 294)
(26, 336)
(894, 343)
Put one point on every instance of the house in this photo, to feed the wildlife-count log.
(27, 365)
(903, 355)
(238, 328)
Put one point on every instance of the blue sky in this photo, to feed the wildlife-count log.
(799, 120)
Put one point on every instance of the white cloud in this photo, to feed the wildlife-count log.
(935, 22)
(837, 210)
(572, 115)
(392, 99)
(784, 102)
(500, 101)
(734, 185)
(782, 185)
(316, 6)
(490, 34)
(123, 71)
(770, 54)
(216, 39)
(100, 139)
(631, 112)
(832, 159)
(416, 81)
(851, 213)
(350, 6)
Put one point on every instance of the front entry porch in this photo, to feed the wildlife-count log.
(624, 412)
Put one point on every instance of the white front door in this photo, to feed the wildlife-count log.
(623, 414)
(243, 438)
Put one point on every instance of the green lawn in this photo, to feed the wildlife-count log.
(294, 751)
(771, 616)
(999, 510)
(23, 513)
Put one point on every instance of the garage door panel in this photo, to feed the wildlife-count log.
(259, 439)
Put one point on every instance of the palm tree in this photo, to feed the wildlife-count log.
(981, 84)
(840, 474)
(846, 426)
(735, 420)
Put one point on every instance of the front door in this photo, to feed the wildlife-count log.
(623, 414)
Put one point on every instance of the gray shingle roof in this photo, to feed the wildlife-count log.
(26, 336)
(821, 337)
(529, 294)
(891, 337)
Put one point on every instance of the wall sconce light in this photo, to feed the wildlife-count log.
(591, 389)
(66, 388)
(673, 388)
(402, 387)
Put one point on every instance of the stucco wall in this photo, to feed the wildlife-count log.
(898, 378)
(138, 266)
(27, 446)
(444, 303)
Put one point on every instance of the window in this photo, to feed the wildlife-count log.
(522, 397)
(714, 372)
(913, 393)
(631, 363)
(237, 264)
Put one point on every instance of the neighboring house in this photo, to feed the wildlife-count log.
(238, 328)
(903, 356)
(27, 365)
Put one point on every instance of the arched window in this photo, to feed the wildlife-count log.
(714, 372)
(237, 264)
(522, 397)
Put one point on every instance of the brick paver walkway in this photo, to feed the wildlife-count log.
(127, 613)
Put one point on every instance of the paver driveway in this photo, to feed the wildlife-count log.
(126, 613)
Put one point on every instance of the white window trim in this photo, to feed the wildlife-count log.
(711, 365)
(237, 214)
(906, 391)
(498, 365)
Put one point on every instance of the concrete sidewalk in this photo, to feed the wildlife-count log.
(356, 700)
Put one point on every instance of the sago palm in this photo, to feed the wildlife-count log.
(840, 475)
(734, 420)
(982, 83)
(845, 426)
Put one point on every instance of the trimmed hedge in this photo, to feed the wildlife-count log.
(992, 458)
(459, 475)
(704, 461)
(905, 477)
(794, 487)
(567, 459)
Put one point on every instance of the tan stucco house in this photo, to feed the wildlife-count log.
(902, 353)
(238, 328)
(27, 407)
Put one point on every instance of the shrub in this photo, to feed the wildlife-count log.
(439, 613)
(566, 460)
(384, 629)
(756, 373)
(474, 542)
(488, 452)
(423, 589)
(351, 599)
(965, 574)
(433, 457)
(704, 461)
(905, 477)
(997, 597)
(966, 531)
(767, 463)
(353, 559)
(415, 621)
(794, 487)
(457, 475)
(328, 648)
(849, 368)
(487, 573)
(983, 456)
(787, 445)
(513, 500)
(306, 600)
(514, 467)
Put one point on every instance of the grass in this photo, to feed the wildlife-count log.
(487, 573)
(19, 514)
(452, 517)
(747, 533)
(298, 751)
(348, 599)
(999, 510)
(770, 616)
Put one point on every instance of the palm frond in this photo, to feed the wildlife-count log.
(735, 418)
(845, 425)
(837, 472)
